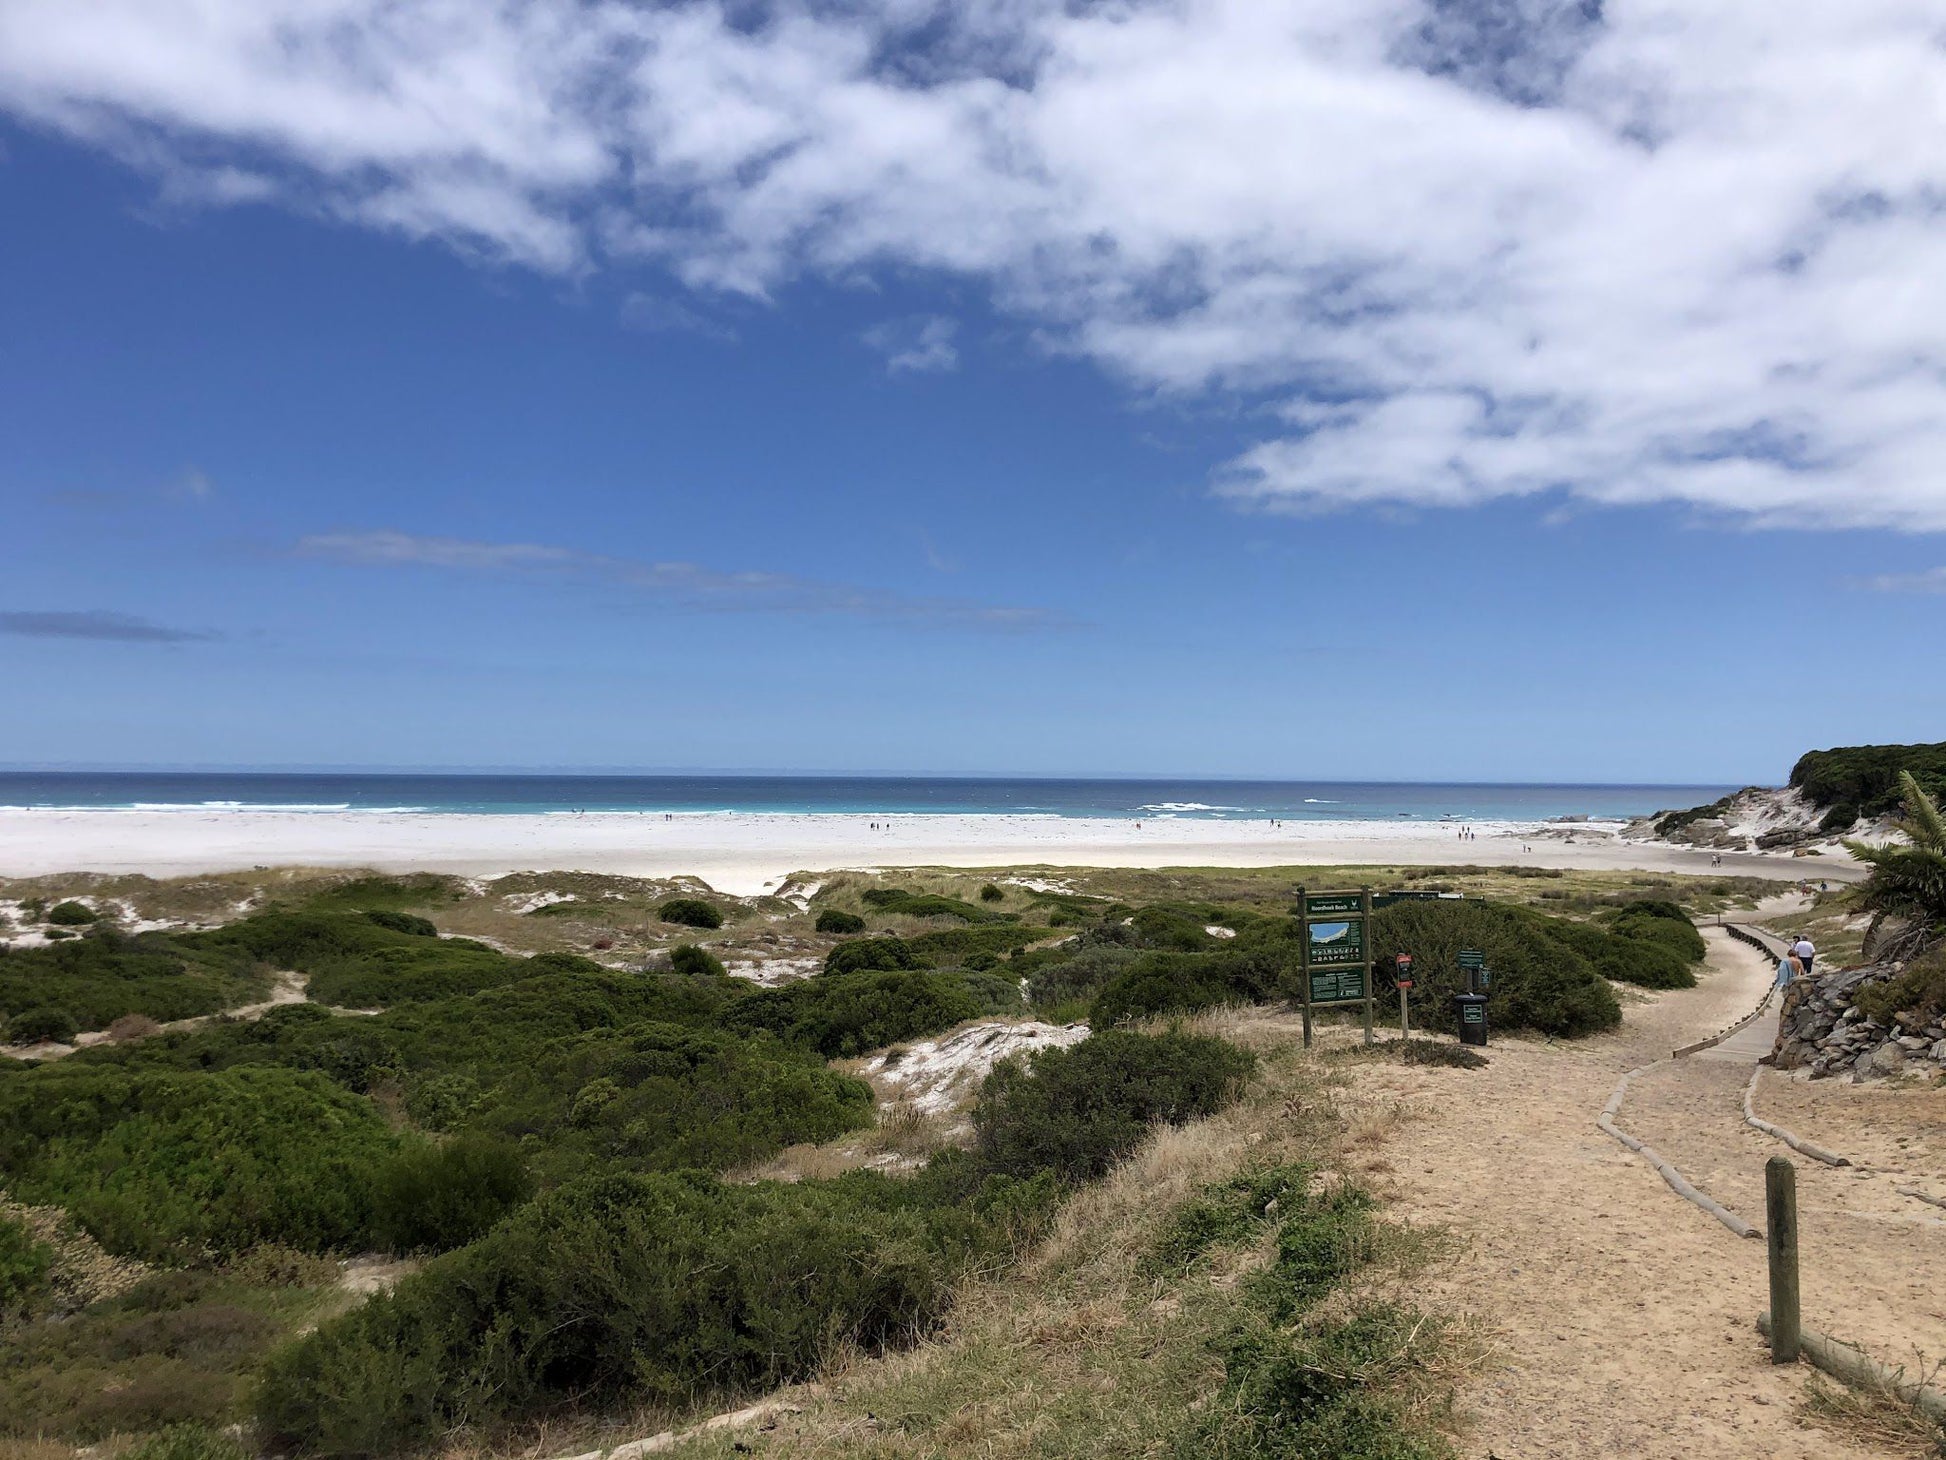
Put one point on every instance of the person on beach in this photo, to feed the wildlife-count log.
(1789, 970)
(1804, 952)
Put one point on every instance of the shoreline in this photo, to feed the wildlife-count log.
(747, 853)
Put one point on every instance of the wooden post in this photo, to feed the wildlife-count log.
(1405, 1014)
(1304, 957)
(1780, 1217)
(1365, 934)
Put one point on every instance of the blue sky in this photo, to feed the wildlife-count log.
(315, 456)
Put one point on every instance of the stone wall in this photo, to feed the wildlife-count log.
(1823, 1030)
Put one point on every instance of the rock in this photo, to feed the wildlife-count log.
(1887, 1059)
(1939, 1050)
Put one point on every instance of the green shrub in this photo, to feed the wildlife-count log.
(1075, 973)
(1164, 983)
(1229, 1212)
(837, 920)
(840, 1015)
(107, 974)
(432, 1198)
(991, 893)
(355, 962)
(927, 905)
(693, 962)
(1918, 992)
(946, 946)
(1867, 776)
(658, 1097)
(690, 912)
(165, 1165)
(1076, 1111)
(657, 1288)
(33, 1026)
(1663, 924)
(25, 1262)
(1840, 818)
(72, 914)
(55, 935)
(1638, 961)
(1538, 981)
(186, 1442)
(403, 922)
(861, 954)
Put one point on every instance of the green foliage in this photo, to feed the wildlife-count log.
(72, 914)
(1918, 992)
(25, 1262)
(928, 905)
(1907, 880)
(664, 1288)
(1840, 818)
(431, 1198)
(1165, 983)
(1869, 776)
(690, 912)
(186, 1442)
(177, 1349)
(32, 1026)
(944, 947)
(693, 962)
(845, 1014)
(860, 954)
(354, 962)
(1627, 960)
(167, 1165)
(1661, 923)
(1229, 1213)
(837, 920)
(403, 922)
(107, 974)
(990, 893)
(1076, 974)
(361, 894)
(658, 1097)
(1076, 1111)
(1539, 981)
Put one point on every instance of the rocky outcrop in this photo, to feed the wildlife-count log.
(1822, 1029)
(1756, 818)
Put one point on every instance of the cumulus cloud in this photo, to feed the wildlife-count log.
(916, 346)
(684, 584)
(120, 628)
(1454, 250)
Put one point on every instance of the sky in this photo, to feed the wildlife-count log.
(1392, 389)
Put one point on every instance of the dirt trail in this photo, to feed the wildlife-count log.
(1624, 1315)
(285, 988)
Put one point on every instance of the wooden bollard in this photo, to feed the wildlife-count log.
(1780, 1217)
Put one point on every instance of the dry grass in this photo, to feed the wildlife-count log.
(1879, 1416)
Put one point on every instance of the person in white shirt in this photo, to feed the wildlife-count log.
(1805, 952)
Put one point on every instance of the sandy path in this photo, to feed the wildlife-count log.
(1624, 1316)
(286, 988)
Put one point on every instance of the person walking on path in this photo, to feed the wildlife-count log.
(1788, 969)
(1804, 952)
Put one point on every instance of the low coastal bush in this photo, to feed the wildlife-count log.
(25, 1262)
(1076, 1111)
(432, 1198)
(946, 947)
(166, 1166)
(1168, 983)
(1646, 964)
(837, 920)
(72, 914)
(990, 893)
(1076, 973)
(693, 962)
(100, 977)
(867, 953)
(927, 905)
(690, 912)
(403, 922)
(356, 962)
(845, 1014)
(1661, 923)
(664, 1288)
(1538, 981)
(35, 1026)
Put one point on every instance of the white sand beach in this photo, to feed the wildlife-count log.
(748, 853)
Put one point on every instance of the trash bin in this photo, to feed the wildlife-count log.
(1470, 1012)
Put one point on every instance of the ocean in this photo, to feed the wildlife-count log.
(505, 795)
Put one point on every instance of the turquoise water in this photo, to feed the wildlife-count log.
(490, 795)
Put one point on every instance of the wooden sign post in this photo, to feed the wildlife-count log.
(1335, 952)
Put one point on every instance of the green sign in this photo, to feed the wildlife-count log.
(1334, 942)
(1334, 902)
(1343, 985)
(1469, 959)
(1473, 1014)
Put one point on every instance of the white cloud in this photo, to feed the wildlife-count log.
(1462, 249)
(686, 585)
(1927, 580)
(920, 345)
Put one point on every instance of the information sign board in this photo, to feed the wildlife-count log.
(1469, 959)
(1319, 903)
(1341, 985)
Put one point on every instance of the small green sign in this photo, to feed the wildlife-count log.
(1469, 959)
(1335, 942)
(1473, 1014)
(1342, 985)
(1334, 902)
